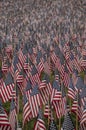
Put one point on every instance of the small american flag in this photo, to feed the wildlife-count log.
(34, 77)
(7, 90)
(43, 91)
(28, 88)
(71, 90)
(27, 114)
(52, 125)
(40, 66)
(4, 122)
(47, 111)
(21, 58)
(68, 123)
(83, 118)
(34, 100)
(12, 115)
(76, 106)
(40, 124)
(79, 84)
(56, 98)
(66, 77)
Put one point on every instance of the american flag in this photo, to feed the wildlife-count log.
(46, 65)
(48, 84)
(4, 122)
(44, 95)
(40, 65)
(56, 75)
(56, 91)
(40, 124)
(54, 58)
(66, 77)
(84, 52)
(67, 52)
(21, 57)
(4, 67)
(9, 48)
(16, 63)
(74, 76)
(26, 64)
(20, 80)
(71, 90)
(83, 117)
(16, 67)
(76, 106)
(7, 90)
(68, 123)
(34, 100)
(56, 98)
(27, 114)
(34, 77)
(79, 84)
(17, 99)
(83, 96)
(52, 125)
(74, 62)
(12, 115)
(63, 100)
(83, 62)
(47, 111)
(28, 88)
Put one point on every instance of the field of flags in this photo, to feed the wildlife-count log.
(42, 65)
(47, 86)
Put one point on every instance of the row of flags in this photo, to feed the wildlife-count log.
(27, 70)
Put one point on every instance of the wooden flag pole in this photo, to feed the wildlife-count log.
(59, 123)
(70, 105)
(48, 111)
(60, 105)
(77, 115)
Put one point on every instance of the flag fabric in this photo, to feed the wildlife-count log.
(79, 84)
(40, 124)
(83, 62)
(66, 77)
(46, 66)
(63, 100)
(40, 66)
(83, 117)
(48, 84)
(34, 100)
(56, 91)
(28, 89)
(26, 64)
(7, 89)
(44, 95)
(56, 98)
(45, 89)
(47, 111)
(12, 115)
(20, 81)
(68, 124)
(34, 76)
(4, 122)
(16, 67)
(76, 106)
(83, 96)
(21, 57)
(52, 125)
(4, 67)
(71, 90)
(27, 114)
